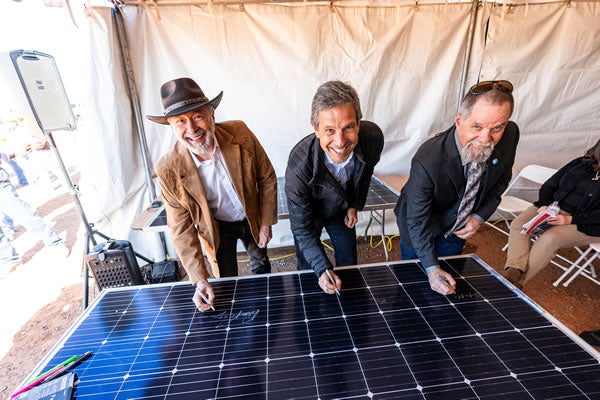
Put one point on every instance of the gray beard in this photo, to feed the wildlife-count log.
(207, 146)
(479, 156)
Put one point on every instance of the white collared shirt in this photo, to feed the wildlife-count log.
(223, 201)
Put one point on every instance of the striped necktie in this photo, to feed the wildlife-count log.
(468, 201)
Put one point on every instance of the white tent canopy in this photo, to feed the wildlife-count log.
(406, 61)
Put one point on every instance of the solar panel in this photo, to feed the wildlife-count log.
(282, 208)
(380, 197)
(160, 220)
(387, 336)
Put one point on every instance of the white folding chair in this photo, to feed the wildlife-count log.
(583, 265)
(511, 206)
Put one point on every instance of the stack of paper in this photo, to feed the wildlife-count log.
(60, 388)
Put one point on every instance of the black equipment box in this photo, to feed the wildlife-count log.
(113, 264)
(163, 271)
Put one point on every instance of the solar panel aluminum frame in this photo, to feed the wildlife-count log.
(535, 330)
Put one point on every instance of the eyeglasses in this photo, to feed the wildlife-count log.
(486, 86)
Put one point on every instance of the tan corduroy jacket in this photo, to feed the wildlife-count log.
(188, 214)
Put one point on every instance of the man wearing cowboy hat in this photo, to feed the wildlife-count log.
(218, 185)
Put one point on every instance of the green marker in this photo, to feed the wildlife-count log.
(53, 369)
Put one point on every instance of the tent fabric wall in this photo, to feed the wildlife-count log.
(551, 53)
(269, 65)
(113, 188)
(405, 63)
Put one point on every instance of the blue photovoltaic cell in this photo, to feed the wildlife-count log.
(160, 219)
(386, 336)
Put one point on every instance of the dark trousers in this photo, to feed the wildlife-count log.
(229, 233)
(342, 238)
(450, 246)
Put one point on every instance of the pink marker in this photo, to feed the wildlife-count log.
(37, 382)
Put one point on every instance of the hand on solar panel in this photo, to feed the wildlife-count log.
(326, 284)
(351, 218)
(442, 282)
(204, 295)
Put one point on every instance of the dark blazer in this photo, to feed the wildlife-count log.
(312, 191)
(560, 185)
(429, 201)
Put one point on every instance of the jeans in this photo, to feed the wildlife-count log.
(450, 246)
(229, 233)
(6, 221)
(8, 255)
(17, 168)
(342, 238)
(13, 206)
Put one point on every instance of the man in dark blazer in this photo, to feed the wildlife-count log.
(327, 180)
(428, 206)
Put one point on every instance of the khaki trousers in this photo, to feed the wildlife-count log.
(531, 257)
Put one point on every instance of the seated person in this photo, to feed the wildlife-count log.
(327, 180)
(576, 188)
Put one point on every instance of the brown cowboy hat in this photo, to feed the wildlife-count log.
(180, 96)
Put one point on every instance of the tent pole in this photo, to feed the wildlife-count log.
(469, 47)
(135, 103)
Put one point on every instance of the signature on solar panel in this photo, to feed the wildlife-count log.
(466, 296)
(244, 317)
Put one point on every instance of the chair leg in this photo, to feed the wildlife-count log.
(592, 270)
(506, 232)
(496, 228)
(507, 224)
(581, 269)
(572, 268)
